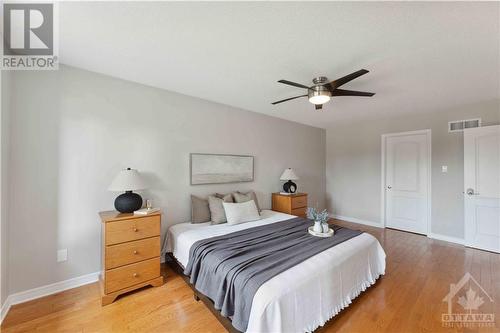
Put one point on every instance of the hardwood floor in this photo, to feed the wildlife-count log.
(407, 299)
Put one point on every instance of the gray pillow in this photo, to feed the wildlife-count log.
(218, 215)
(244, 197)
(200, 212)
(224, 197)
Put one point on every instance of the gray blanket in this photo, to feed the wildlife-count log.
(229, 269)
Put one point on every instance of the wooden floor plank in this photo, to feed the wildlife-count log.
(407, 299)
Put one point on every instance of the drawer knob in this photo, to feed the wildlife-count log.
(135, 229)
(136, 275)
(135, 252)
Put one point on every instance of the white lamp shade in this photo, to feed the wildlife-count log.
(127, 180)
(288, 174)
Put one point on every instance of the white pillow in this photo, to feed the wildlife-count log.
(237, 213)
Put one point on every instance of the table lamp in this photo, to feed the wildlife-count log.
(127, 180)
(289, 175)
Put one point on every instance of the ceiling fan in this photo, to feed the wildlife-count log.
(322, 90)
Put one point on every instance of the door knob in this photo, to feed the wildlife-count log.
(389, 187)
(470, 191)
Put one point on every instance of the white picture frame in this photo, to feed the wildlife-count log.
(220, 168)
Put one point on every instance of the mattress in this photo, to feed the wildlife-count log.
(305, 296)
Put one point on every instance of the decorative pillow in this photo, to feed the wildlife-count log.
(227, 197)
(217, 213)
(237, 213)
(199, 210)
(244, 197)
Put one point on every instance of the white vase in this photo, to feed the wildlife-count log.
(325, 227)
(317, 226)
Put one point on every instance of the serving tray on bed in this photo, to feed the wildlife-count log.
(321, 234)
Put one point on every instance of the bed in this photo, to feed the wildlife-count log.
(305, 296)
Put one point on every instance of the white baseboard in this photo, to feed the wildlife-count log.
(5, 308)
(49, 289)
(445, 238)
(53, 288)
(31, 294)
(356, 220)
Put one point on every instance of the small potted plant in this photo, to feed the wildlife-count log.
(320, 219)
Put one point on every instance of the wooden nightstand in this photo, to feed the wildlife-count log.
(130, 253)
(293, 204)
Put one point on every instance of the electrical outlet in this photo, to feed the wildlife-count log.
(62, 255)
(444, 168)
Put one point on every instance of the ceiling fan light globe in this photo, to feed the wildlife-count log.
(319, 95)
(319, 99)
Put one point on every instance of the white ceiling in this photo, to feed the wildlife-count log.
(422, 56)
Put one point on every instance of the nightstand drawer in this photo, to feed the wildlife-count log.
(132, 229)
(299, 211)
(131, 252)
(126, 276)
(299, 202)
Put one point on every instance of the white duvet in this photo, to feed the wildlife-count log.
(305, 296)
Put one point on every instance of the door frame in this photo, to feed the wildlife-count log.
(384, 137)
(466, 240)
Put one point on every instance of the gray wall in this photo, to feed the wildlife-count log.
(4, 152)
(73, 130)
(353, 165)
(77, 129)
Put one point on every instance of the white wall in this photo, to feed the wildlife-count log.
(73, 130)
(353, 166)
(4, 149)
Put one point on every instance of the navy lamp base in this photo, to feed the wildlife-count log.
(290, 187)
(128, 202)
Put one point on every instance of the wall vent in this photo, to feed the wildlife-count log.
(460, 125)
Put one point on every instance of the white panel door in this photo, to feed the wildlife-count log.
(482, 187)
(407, 182)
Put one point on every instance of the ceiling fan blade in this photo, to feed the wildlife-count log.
(284, 100)
(343, 92)
(343, 80)
(318, 106)
(290, 83)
